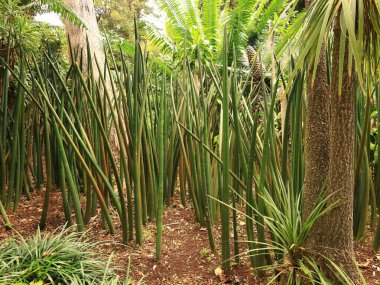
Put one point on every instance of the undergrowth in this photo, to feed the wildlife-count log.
(60, 257)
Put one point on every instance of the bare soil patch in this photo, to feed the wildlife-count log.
(186, 258)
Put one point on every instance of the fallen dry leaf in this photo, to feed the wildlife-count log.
(364, 265)
(218, 271)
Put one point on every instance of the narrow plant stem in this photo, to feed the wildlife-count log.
(45, 206)
(224, 209)
(161, 170)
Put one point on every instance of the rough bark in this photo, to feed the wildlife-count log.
(85, 10)
(317, 141)
(329, 161)
(337, 238)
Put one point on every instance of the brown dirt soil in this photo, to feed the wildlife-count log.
(186, 258)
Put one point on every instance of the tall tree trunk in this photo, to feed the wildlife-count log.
(86, 11)
(317, 141)
(78, 37)
(337, 239)
(329, 160)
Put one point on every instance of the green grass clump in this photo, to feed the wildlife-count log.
(61, 257)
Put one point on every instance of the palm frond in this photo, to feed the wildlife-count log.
(175, 12)
(237, 21)
(129, 50)
(256, 16)
(192, 15)
(289, 33)
(260, 20)
(359, 22)
(159, 39)
(210, 19)
(61, 8)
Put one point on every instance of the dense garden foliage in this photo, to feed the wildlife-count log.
(189, 112)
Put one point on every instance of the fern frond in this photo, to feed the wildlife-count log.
(223, 21)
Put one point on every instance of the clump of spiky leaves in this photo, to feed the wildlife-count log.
(293, 262)
(194, 26)
(60, 257)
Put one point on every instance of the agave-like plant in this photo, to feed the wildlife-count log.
(294, 262)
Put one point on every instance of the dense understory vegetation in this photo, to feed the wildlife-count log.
(228, 139)
(62, 257)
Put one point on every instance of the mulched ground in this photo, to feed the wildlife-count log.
(186, 258)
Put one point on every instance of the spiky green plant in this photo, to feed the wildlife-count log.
(195, 25)
(294, 262)
(205, 134)
(62, 256)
